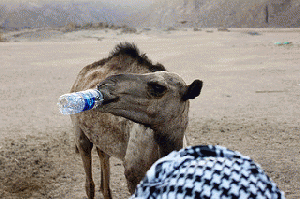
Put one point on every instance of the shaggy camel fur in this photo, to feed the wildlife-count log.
(143, 116)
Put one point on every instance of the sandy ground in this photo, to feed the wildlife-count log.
(250, 103)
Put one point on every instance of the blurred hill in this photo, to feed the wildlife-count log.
(56, 14)
(222, 13)
(160, 14)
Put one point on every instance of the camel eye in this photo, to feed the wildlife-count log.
(156, 90)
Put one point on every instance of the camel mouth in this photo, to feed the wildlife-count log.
(108, 98)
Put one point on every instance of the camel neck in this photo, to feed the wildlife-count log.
(169, 138)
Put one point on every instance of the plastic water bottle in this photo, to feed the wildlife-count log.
(77, 102)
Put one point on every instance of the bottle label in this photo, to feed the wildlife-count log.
(89, 103)
(89, 100)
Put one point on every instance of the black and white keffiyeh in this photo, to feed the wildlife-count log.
(206, 172)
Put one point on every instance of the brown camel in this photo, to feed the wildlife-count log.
(143, 116)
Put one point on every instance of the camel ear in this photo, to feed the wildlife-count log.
(192, 91)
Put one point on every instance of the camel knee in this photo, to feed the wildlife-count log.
(105, 174)
(90, 189)
(84, 147)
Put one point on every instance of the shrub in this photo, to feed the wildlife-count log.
(69, 27)
(2, 39)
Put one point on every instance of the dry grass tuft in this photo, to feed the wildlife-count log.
(1, 37)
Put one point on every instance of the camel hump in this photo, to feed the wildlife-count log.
(126, 49)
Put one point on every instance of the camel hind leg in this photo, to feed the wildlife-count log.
(84, 146)
(105, 174)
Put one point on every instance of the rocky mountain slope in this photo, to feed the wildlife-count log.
(160, 14)
(57, 14)
(222, 13)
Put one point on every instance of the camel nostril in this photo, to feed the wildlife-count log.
(105, 85)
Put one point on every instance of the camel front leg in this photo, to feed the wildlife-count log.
(142, 152)
(84, 147)
(105, 174)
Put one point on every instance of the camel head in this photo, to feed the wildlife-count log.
(159, 100)
(153, 99)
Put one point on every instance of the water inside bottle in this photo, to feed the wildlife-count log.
(77, 102)
(63, 102)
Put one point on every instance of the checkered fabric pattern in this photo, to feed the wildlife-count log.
(206, 172)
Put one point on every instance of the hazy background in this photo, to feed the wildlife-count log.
(146, 13)
(116, 2)
(57, 13)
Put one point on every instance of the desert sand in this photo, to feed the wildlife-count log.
(250, 102)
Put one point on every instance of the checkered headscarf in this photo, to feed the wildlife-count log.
(206, 172)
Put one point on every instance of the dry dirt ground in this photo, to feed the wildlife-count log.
(250, 102)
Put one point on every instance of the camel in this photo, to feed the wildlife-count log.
(143, 116)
